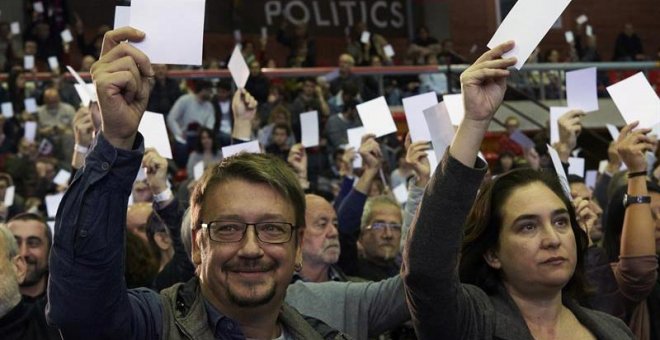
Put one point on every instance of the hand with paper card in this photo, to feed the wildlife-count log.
(298, 160)
(346, 164)
(632, 147)
(570, 127)
(123, 77)
(156, 169)
(83, 127)
(372, 159)
(483, 86)
(586, 215)
(244, 108)
(416, 156)
(613, 159)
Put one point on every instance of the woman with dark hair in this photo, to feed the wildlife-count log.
(522, 254)
(628, 287)
(505, 162)
(206, 151)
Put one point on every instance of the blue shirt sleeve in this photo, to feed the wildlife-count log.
(349, 217)
(87, 292)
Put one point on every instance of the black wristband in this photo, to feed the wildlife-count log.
(636, 174)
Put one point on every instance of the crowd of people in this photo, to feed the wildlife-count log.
(302, 243)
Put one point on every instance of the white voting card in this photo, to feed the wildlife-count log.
(590, 177)
(636, 100)
(53, 63)
(354, 141)
(376, 117)
(28, 62)
(581, 19)
(66, 36)
(364, 38)
(388, 50)
(555, 114)
(526, 24)
(152, 127)
(122, 16)
(582, 89)
(559, 169)
(455, 107)
(401, 193)
(441, 129)
(7, 109)
(249, 147)
(414, 109)
(198, 170)
(9, 196)
(576, 166)
(309, 124)
(238, 68)
(30, 105)
(30, 132)
(52, 203)
(38, 7)
(174, 30)
(15, 28)
(62, 177)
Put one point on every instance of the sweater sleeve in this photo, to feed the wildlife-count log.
(439, 305)
(636, 276)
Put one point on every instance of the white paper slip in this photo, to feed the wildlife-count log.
(613, 130)
(433, 160)
(590, 177)
(238, 37)
(400, 193)
(152, 127)
(364, 38)
(62, 177)
(589, 31)
(7, 109)
(66, 36)
(9, 196)
(576, 166)
(38, 7)
(83, 94)
(636, 100)
(53, 63)
(526, 24)
(602, 166)
(53, 203)
(559, 169)
(455, 107)
(30, 105)
(238, 68)
(15, 28)
(570, 37)
(354, 141)
(264, 32)
(198, 170)
(555, 114)
(521, 139)
(122, 16)
(388, 50)
(309, 124)
(30, 132)
(28, 62)
(581, 19)
(582, 89)
(141, 175)
(75, 75)
(440, 128)
(376, 117)
(414, 109)
(249, 147)
(167, 42)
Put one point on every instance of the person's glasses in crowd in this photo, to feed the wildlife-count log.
(380, 226)
(232, 231)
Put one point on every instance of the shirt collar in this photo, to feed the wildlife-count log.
(222, 326)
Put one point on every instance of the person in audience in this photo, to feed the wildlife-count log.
(137, 216)
(346, 75)
(302, 47)
(403, 171)
(448, 55)
(279, 115)
(224, 117)
(19, 319)
(279, 141)
(245, 249)
(165, 93)
(511, 124)
(380, 237)
(579, 189)
(310, 98)
(363, 51)
(349, 92)
(509, 264)
(17, 205)
(206, 151)
(505, 162)
(423, 46)
(338, 124)
(628, 45)
(258, 84)
(56, 122)
(34, 240)
(436, 82)
(21, 166)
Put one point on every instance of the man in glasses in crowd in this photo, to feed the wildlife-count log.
(380, 237)
(248, 216)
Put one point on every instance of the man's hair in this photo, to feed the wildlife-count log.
(283, 127)
(224, 85)
(28, 216)
(253, 168)
(9, 240)
(155, 224)
(200, 85)
(372, 202)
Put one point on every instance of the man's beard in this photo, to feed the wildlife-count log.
(252, 300)
(9, 294)
(33, 276)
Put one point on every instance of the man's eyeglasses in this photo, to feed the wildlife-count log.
(267, 232)
(380, 226)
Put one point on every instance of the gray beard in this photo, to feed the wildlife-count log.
(251, 301)
(10, 295)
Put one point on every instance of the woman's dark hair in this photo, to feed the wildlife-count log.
(484, 222)
(504, 154)
(613, 223)
(200, 148)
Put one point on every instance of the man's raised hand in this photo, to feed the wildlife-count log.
(123, 77)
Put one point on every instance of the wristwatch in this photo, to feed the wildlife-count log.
(628, 200)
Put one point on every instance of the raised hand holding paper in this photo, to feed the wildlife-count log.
(153, 129)
(238, 68)
(354, 140)
(30, 131)
(376, 117)
(636, 100)
(555, 113)
(582, 89)
(249, 147)
(526, 24)
(414, 109)
(174, 30)
(309, 123)
(7, 109)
